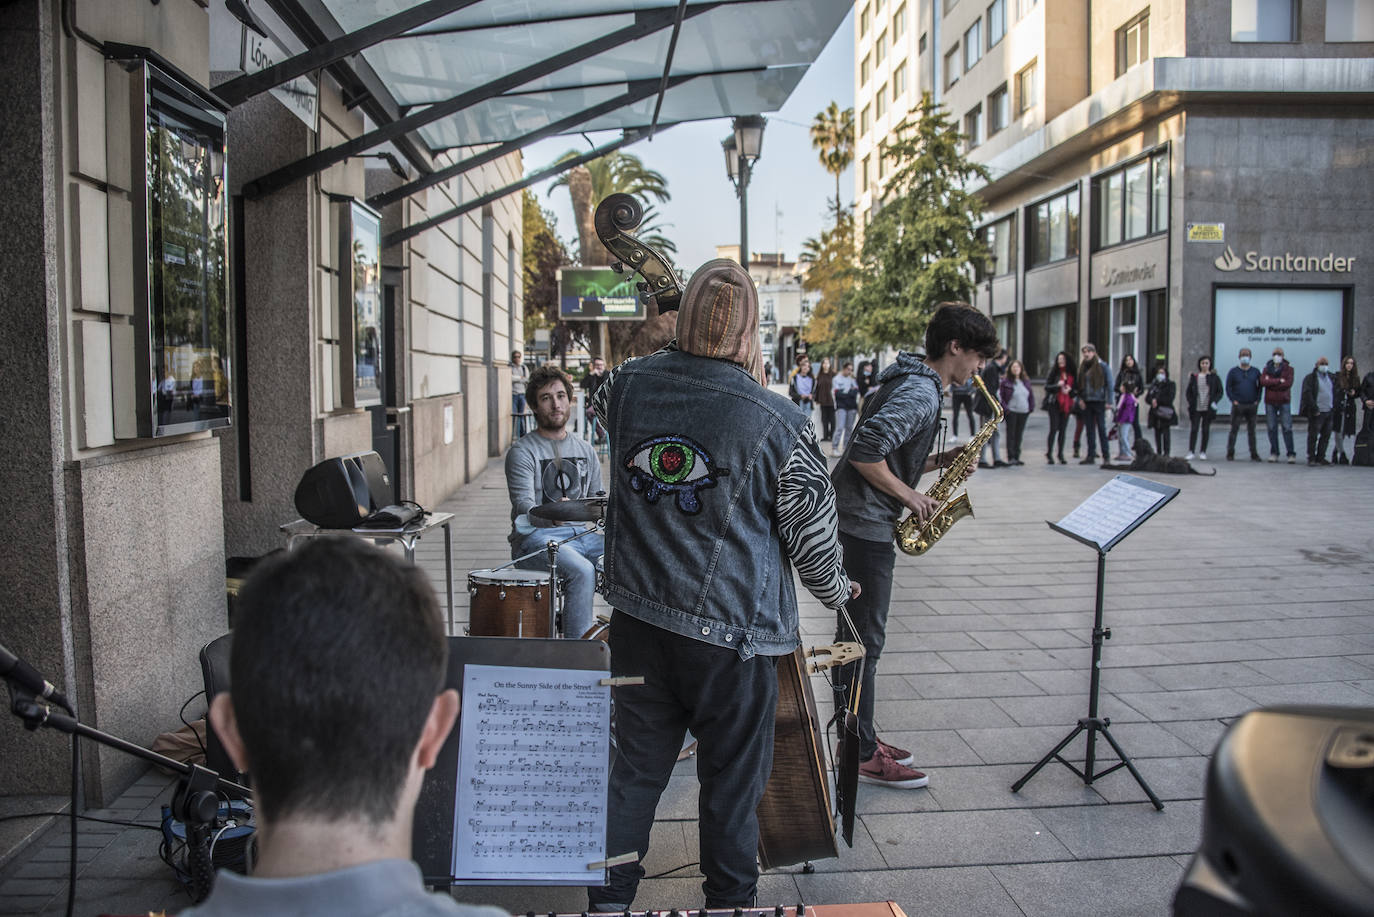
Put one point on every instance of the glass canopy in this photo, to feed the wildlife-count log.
(743, 57)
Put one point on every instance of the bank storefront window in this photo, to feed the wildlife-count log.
(1132, 201)
(1306, 323)
(1047, 332)
(1052, 233)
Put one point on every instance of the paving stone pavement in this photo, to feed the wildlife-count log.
(1251, 588)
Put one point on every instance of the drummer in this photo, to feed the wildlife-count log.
(547, 465)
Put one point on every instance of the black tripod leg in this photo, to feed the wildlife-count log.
(1015, 787)
(1131, 767)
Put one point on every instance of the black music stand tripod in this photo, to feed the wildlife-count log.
(1101, 522)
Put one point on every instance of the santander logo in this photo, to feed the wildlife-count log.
(1228, 261)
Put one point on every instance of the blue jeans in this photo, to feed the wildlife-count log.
(1097, 429)
(517, 409)
(868, 563)
(1276, 416)
(730, 705)
(576, 570)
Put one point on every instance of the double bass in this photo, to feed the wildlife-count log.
(797, 813)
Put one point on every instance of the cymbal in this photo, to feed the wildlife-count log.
(591, 509)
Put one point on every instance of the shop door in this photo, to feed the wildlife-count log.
(1125, 337)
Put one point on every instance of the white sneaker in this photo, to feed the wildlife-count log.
(1189, 456)
(1202, 455)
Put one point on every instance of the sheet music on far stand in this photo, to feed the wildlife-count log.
(532, 776)
(1114, 511)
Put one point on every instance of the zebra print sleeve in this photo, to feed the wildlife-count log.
(807, 523)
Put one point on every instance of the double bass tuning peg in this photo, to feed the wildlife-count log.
(617, 267)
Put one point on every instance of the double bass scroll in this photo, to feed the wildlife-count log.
(615, 217)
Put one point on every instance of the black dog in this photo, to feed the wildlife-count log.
(1151, 462)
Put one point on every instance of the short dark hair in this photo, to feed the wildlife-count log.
(960, 322)
(541, 377)
(1205, 356)
(339, 652)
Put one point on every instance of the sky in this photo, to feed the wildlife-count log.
(704, 211)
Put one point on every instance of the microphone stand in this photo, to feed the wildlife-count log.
(195, 802)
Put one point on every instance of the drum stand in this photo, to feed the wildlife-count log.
(551, 549)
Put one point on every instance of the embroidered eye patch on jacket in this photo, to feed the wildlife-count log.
(672, 464)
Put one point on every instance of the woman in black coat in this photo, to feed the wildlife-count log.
(1203, 393)
(1160, 397)
(1344, 419)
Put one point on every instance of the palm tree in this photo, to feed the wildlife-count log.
(832, 133)
(616, 172)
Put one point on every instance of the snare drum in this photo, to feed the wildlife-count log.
(508, 603)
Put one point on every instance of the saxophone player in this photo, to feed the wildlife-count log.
(875, 483)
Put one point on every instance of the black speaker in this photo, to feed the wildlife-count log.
(378, 481)
(1288, 817)
(334, 494)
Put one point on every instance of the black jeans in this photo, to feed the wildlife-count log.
(1239, 412)
(964, 403)
(868, 563)
(730, 705)
(1318, 436)
(1016, 428)
(827, 421)
(1204, 418)
(1162, 438)
(1059, 420)
(1096, 420)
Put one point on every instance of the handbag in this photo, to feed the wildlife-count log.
(1164, 413)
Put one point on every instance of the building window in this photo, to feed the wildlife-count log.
(1132, 202)
(999, 109)
(1023, 7)
(877, 6)
(1026, 89)
(1000, 238)
(921, 45)
(949, 5)
(997, 21)
(882, 161)
(1349, 20)
(865, 119)
(1048, 331)
(1052, 229)
(952, 67)
(863, 175)
(1133, 43)
(1263, 20)
(865, 19)
(880, 100)
(865, 69)
(899, 21)
(880, 48)
(973, 45)
(898, 80)
(973, 127)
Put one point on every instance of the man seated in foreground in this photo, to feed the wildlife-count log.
(337, 709)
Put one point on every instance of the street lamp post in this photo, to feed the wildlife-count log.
(742, 150)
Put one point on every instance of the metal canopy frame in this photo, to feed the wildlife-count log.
(402, 235)
(646, 23)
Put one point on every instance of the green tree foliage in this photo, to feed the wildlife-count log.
(919, 247)
(832, 134)
(543, 255)
(831, 273)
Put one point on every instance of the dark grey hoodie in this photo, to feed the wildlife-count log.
(897, 425)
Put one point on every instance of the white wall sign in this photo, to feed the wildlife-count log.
(1307, 324)
(1287, 263)
(300, 96)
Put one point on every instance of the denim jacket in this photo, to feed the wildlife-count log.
(697, 447)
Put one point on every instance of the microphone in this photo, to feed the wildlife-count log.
(16, 670)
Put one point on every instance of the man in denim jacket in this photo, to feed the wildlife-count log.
(718, 491)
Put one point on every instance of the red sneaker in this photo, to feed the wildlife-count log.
(900, 755)
(883, 771)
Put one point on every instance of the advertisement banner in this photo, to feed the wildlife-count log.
(597, 294)
(1307, 324)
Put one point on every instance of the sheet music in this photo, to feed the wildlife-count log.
(532, 774)
(1113, 509)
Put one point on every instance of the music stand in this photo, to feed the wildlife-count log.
(1101, 522)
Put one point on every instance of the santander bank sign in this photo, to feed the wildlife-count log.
(1286, 262)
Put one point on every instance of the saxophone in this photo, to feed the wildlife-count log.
(917, 541)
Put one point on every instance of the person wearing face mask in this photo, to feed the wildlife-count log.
(1317, 403)
(1203, 393)
(1243, 389)
(1277, 381)
(1160, 396)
